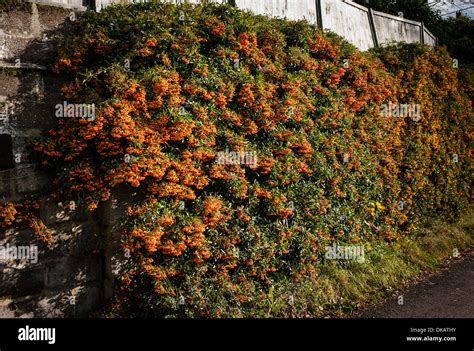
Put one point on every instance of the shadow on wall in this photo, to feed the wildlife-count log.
(37, 281)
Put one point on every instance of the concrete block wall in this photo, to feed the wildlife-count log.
(28, 91)
(429, 38)
(292, 10)
(350, 20)
(71, 4)
(67, 278)
(392, 29)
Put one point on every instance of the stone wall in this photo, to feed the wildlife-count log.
(68, 278)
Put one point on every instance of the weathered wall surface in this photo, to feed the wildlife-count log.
(350, 21)
(391, 29)
(292, 10)
(77, 4)
(429, 38)
(66, 279)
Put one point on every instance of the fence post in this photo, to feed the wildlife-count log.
(373, 29)
(422, 34)
(319, 14)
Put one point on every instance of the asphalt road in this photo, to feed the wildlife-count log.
(449, 293)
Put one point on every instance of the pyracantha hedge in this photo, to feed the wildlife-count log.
(176, 88)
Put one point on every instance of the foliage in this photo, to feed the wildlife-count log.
(24, 213)
(9, 5)
(458, 35)
(175, 86)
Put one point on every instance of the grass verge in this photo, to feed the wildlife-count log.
(341, 287)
